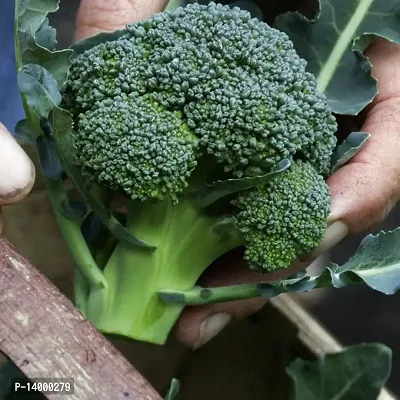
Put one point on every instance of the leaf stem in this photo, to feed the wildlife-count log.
(81, 291)
(73, 236)
(199, 295)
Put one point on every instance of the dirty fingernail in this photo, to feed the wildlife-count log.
(211, 327)
(334, 234)
(17, 172)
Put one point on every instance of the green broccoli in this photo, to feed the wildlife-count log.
(200, 99)
(284, 218)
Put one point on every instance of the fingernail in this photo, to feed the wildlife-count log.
(334, 234)
(211, 327)
(17, 172)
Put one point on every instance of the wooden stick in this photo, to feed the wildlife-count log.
(47, 337)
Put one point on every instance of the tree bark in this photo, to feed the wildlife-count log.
(47, 337)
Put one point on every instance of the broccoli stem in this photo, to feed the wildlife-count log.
(200, 295)
(81, 290)
(186, 245)
(72, 234)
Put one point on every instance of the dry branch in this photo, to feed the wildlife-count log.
(46, 337)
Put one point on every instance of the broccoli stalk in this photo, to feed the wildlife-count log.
(186, 244)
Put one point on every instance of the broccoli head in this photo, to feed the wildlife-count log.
(188, 101)
(239, 84)
(284, 218)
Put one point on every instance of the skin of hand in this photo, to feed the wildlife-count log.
(17, 172)
(363, 191)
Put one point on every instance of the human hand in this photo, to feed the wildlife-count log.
(17, 173)
(363, 191)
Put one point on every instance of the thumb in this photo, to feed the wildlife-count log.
(368, 187)
(17, 173)
(96, 16)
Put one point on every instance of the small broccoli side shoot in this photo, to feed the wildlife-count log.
(283, 219)
(183, 100)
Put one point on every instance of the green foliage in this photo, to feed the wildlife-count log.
(356, 373)
(376, 263)
(333, 42)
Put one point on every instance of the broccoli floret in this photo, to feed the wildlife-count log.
(135, 146)
(284, 218)
(177, 102)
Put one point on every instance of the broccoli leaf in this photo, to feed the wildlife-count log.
(333, 42)
(357, 373)
(39, 89)
(55, 63)
(348, 149)
(46, 36)
(376, 262)
(32, 13)
(209, 193)
(36, 40)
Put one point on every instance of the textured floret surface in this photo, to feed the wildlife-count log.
(284, 218)
(116, 144)
(203, 79)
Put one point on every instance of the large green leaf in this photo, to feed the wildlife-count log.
(357, 373)
(333, 42)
